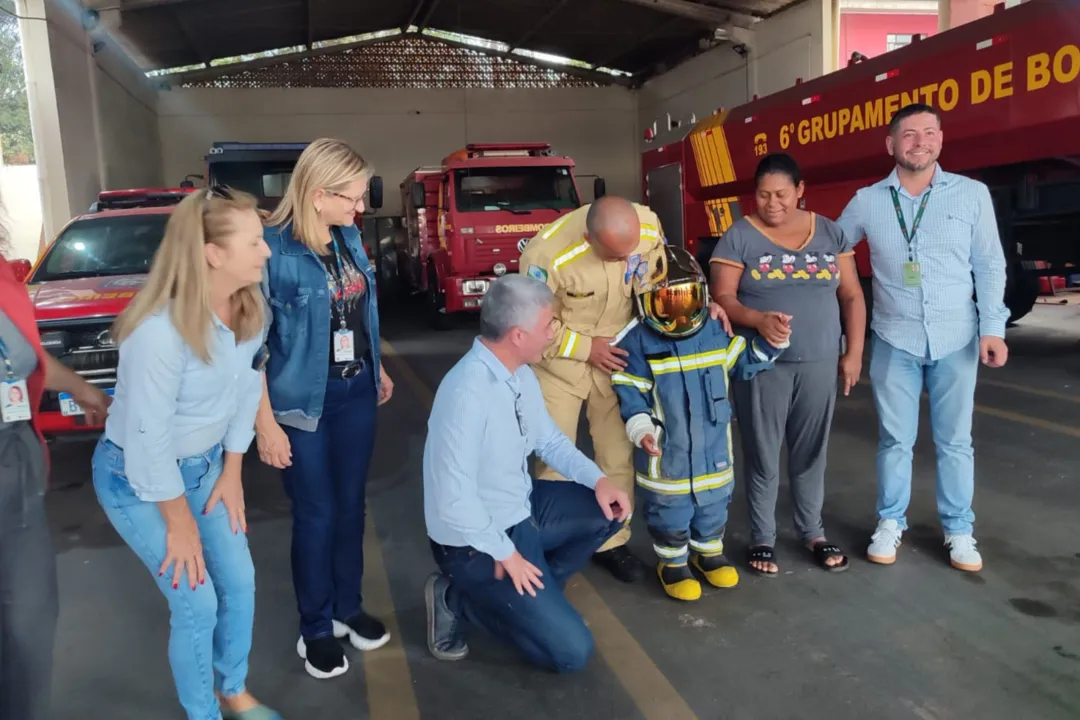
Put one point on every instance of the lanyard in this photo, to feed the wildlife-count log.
(915, 223)
(339, 302)
(4, 356)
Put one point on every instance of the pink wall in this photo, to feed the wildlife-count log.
(867, 32)
(964, 11)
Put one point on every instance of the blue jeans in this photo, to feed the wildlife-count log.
(211, 625)
(326, 484)
(679, 524)
(565, 530)
(897, 379)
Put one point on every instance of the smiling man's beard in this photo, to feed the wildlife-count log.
(911, 167)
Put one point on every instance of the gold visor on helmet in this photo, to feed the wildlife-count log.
(674, 301)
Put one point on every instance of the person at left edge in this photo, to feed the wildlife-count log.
(167, 468)
(588, 258)
(324, 383)
(29, 610)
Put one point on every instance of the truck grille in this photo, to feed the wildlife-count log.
(487, 251)
(85, 347)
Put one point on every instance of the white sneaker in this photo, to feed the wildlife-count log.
(962, 553)
(883, 542)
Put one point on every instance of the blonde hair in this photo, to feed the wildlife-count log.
(325, 164)
(181, 274)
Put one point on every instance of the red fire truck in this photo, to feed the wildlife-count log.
(84, 279)
(467, 219)
(1008, 88)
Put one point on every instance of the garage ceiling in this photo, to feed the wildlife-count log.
(637, 37)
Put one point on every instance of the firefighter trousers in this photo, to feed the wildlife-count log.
(611, 448)
(686, 523)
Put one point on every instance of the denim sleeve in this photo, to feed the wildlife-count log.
(151, 365)
(552, 446)
(988, 267)
(452, 462)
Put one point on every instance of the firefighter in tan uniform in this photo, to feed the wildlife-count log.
(588, 258)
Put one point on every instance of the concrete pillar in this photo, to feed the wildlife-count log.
(44, 115)
(944, 15)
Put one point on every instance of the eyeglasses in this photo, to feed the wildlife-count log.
(218, 191)
(518, 410)
(354, 201)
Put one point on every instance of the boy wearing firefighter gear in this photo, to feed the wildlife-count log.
(587, 258)
(673, 395)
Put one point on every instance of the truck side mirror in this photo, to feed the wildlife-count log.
(375, 190)
(599, 188)
(418, 195)
(21, 268)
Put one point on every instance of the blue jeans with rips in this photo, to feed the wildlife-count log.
(210, 637)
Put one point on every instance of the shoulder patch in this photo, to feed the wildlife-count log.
(535, 271)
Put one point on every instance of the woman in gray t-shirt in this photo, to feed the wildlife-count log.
(790, 274)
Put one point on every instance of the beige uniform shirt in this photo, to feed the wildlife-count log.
(592, 297)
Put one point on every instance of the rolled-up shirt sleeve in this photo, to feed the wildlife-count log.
(552, 445)
(151, 364)
(451, 465)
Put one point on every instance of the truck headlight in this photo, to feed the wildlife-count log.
(499, 269)
(474, 287)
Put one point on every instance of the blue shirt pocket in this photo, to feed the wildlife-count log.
(290, 313)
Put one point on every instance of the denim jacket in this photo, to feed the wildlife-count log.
(681, 386)
(298, 337)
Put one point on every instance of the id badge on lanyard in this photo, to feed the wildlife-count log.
(344, 347)
(912, 273)
(14, 396)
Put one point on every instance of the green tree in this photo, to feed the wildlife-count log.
(15, 130)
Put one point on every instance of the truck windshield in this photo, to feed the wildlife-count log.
(515, 189)
(102, 246)
(267, 181)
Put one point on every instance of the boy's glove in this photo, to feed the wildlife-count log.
(639, 426)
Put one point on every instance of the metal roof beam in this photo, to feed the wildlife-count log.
(536, 27)
(600, 77)
(412, 16)
(707, 14)
(217, 71)
(427, 16)
(627, 48)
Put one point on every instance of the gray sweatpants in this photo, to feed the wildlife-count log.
(28, 601)
(794, 402)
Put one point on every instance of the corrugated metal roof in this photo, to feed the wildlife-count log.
(634, 36)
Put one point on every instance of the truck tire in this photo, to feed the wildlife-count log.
(1021, 291)
(438, 318)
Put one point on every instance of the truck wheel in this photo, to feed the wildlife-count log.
(1021, 292)
(436, 306)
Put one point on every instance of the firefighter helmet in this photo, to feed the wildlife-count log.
(674, 299)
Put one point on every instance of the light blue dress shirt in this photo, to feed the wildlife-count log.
(170, 405)
(484, 424)
(958, 250)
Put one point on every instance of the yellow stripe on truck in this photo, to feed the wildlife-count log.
(711, 153)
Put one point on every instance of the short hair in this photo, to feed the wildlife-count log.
(778, 164)
(909, 110)
(512, 301)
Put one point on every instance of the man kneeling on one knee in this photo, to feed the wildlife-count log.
(506, 544)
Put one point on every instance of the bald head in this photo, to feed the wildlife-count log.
(613, 227)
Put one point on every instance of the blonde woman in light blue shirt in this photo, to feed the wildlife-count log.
(167, 469)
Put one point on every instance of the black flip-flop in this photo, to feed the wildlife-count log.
(825, 550)
(763, 554)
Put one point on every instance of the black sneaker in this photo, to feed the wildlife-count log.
(324, 657)
(364, 632)
(445, 640)
(621, 563)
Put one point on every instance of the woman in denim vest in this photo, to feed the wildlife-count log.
(167, 468)
(317, 419)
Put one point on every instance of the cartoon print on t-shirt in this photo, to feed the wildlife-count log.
(811, 264)
(789, 263)
(832, 271)
(764, 264)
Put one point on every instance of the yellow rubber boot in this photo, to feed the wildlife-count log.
(678, 581)
(717, 570)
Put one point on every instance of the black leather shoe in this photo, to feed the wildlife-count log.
(445, 639)
(621, 563)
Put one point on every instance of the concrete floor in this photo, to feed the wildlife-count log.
(915, 640)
